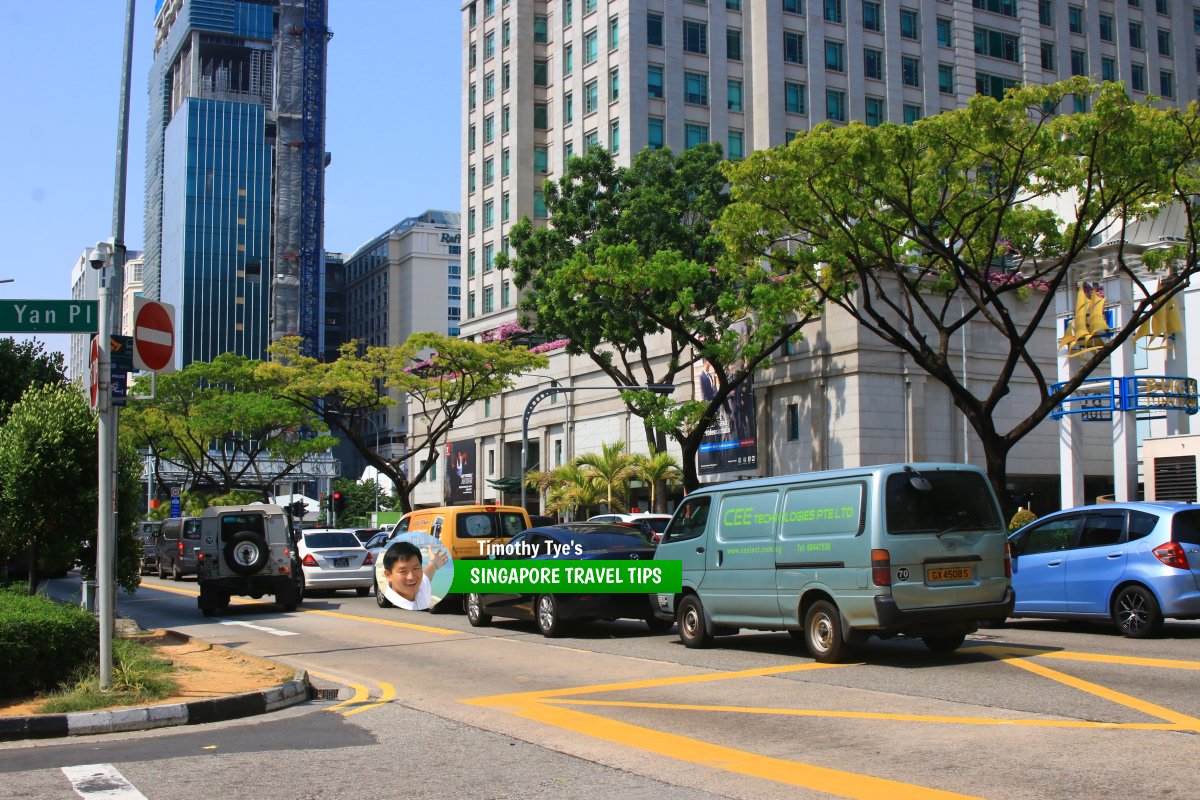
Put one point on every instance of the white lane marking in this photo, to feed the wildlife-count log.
(94, 781)
(262, 628)
(154, 335)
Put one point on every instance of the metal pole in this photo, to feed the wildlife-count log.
(109, 309)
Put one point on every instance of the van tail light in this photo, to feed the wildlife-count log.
(181, 548)
(881, 568)
(369, 560)
(1007, 560)
(309, 561)
(1172, 555)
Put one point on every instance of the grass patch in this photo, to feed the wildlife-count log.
(139, 676)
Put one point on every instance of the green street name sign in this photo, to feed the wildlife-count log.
(48, 316)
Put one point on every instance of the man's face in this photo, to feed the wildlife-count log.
(405, 577)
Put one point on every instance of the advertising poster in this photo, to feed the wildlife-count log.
(460, 472)
(730, 444)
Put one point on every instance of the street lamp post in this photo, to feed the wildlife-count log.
(375, 425)
(664, 388)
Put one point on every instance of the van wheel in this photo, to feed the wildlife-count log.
(1136, 613)
(176, 575)
(693, 630)
(475, 613)
(944, 644)
(823, 633)
(549, 616)
(158, 568)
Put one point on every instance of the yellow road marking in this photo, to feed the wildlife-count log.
(387, 695)
(1098, 658)
(361, 693)
(792, 773)
(805, 712)
(354, 617)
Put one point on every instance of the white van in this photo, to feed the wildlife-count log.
(836, 557)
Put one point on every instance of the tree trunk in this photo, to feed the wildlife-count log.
(996, 457)
(34, 577)
(403, 490)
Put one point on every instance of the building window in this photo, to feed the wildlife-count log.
(736, 148)
(489, 305)
(504, 119)
(489, 87)
(1078, 62)
(558, 449)
(835, 105)
(793, 47)
(489, 8)
(793, 6)
(1006, 7)
(945, 32)
(1046, 13)
(614, 136)
(504, 292)
(996, 44)
(506, 35)
(1108, 69)
(654, 133)
(541, 31)
(541, 72)
(733, 44)
(590, 47)
(471, 96)
(568, 12)
(695, 134)
(473, 14)
(910, 71)
(872, 63)
(695, 37)
(470, 222)
(910, 24)
(471, 138)
(872, 18)
(795, 98)
(568, 151)
(539, 204)
(1166, 83)
(1048, 61)
(993, 85)
(489, 258)
(505, 210)
(654, 29)
(835, 56)
(1075, 19)
(591, 97)
(654, 80)
(505, 78)
(1106, 27)
(614, 33)
(541, 117)
(875, 112)
(1163, 7)
(504, 163)
(1164, 42)
(568, 58)
(541, 159)
(833, 11)
(734, 94)
(695, 88)
(793, 422)
(568, 108)
(911, 113)
(614, 85)
(489, 171)
(946, 78)
(471, 263)
(1137, 77)
(489, 129)
(591, 139)
(489, 220)
(470, 305)
(489, 45)
(589, 6)
(470, 179)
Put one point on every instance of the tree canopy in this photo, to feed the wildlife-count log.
(993, 205)
(25, 364)
(631, 268)
(438, 376)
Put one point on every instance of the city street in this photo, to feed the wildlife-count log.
(1035, 709)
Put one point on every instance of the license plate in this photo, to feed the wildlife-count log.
(341, 562)
(948, 574)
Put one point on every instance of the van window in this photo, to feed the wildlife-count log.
(235, 523)
(955, 501)
(748, 516)
(435, 530)
(822, 510)
(475, 526)
(511, 523)
(689, 521)
(191, 530)
(402, 525)
(170, 529)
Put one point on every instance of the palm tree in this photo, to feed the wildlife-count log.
(569, 488)
(656, 467)
(612, 467)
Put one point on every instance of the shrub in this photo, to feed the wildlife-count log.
(1020, 519)
(42, 643)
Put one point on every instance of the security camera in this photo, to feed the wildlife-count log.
(98, 255)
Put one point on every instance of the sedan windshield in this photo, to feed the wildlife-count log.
(317, 541)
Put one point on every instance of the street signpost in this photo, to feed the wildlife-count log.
(176, 509)
(48, 316)
(120, 362)
(153, 335)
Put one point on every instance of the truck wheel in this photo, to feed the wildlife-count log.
(823, 633)
(693, 629)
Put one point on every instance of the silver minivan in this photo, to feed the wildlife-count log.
(837, 557)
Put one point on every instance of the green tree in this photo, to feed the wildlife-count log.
(221, 423)
(438, 376)
(360, 501)
(896, 225)
(25, 364)
(655, 470)
(611, 468)
(569, 489)
(632, 273)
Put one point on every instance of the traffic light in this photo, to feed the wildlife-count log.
(339, 502)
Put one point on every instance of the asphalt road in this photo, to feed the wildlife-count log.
(440, 709)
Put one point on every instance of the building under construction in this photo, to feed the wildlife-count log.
(235, 160)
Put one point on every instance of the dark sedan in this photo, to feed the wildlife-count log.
(554, 612)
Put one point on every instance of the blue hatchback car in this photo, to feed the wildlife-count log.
(1134, 563)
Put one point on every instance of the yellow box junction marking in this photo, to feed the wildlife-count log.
(548, 707)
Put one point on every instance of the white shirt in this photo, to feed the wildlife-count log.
(421, 602)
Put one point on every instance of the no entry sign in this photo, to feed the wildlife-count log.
(153, 335)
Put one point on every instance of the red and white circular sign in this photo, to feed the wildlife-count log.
(153, 335)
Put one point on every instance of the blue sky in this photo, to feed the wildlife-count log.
(392, 127)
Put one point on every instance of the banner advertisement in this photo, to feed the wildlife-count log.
(566, 576)
(460, 472)
(730, 445)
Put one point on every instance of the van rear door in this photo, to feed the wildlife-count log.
(944, 537)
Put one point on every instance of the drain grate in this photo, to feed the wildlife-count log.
(325, 694)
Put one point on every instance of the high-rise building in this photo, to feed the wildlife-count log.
(546, 79)
(235, 159)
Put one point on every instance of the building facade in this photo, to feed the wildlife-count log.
(234, 172)
(545, 79)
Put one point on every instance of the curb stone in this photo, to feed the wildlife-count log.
(195, 712)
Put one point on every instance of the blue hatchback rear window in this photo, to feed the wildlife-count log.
(1186, 527)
